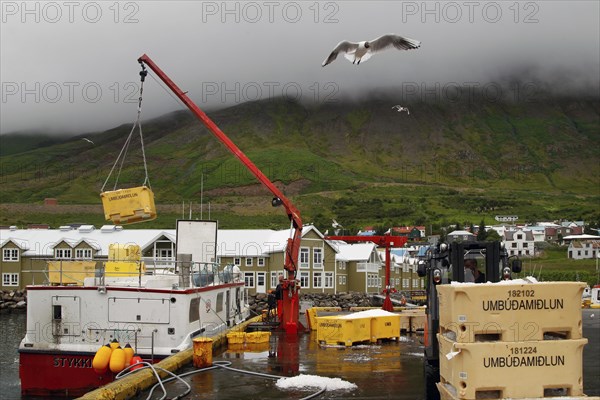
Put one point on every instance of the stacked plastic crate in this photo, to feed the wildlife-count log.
(512, 339)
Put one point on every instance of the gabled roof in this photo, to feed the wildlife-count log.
(20, 243)
(461, 233)
(581, 237)
(230, 242)
(355, 251)
(41, 242)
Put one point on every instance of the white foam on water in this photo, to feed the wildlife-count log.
(314, 381)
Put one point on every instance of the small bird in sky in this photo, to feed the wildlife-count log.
(335, 224)
(87, 140)
(400, 108)
(362, 51)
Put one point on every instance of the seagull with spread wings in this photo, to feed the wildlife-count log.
(87, 140)
(400, 108)
(362, 51)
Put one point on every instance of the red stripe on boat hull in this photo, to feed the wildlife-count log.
(59, 374)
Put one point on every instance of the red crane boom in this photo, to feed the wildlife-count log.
(290, 301)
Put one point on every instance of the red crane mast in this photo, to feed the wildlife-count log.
(290, 299)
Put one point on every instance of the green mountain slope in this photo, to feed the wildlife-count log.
(362, 162)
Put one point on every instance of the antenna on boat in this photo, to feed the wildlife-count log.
(201, 192)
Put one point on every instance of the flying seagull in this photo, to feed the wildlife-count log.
(87, 140)
(362, 51)
(400, 108)
(335, 224)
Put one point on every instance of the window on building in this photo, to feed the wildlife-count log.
(274, 279)
(519, 237)
(304, 279)
(339, 280)
(344, 280)
(10, 279)
(249, 279)
(513, 245)
(317, 257)
(62, 253)
(525, 245)
(329, 279)
(83, 254)
(317, 280)
(163, 254)
(260, 279)
(248, 261)
(237, 261)
(260, 261)
(304, 254)
(10, 254)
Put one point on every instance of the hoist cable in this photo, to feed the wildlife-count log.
(123, 153)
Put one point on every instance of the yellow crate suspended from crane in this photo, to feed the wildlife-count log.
(128, 206)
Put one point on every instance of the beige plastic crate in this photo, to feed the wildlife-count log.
(512, 369)
(511, 312)
(345, 331)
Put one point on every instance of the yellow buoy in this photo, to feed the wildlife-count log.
(114, 344)
(128, 354)
(101, 359)
(117, 360)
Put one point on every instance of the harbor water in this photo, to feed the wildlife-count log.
(381, 371)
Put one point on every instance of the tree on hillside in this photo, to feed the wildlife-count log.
(481, 233)
(493, 235)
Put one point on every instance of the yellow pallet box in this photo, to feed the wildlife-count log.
(124, 252)
(385, 327)
(236, 338)
(124, 268)
(343, 330)
(512, 369)
(313, 312)
(128, 206)
(510, 312)
(257, 337)
(70, 272)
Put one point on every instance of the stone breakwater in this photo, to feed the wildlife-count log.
(258, 302)
(13, 300)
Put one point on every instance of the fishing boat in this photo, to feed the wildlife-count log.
(155, 312)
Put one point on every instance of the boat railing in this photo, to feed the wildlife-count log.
(190, 274)
(127, 335)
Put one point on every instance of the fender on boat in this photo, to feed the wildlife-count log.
(101, 359)
(117, 360)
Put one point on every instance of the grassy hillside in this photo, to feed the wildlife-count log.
(361, 163)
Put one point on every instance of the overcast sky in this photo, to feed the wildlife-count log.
(72, 66)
